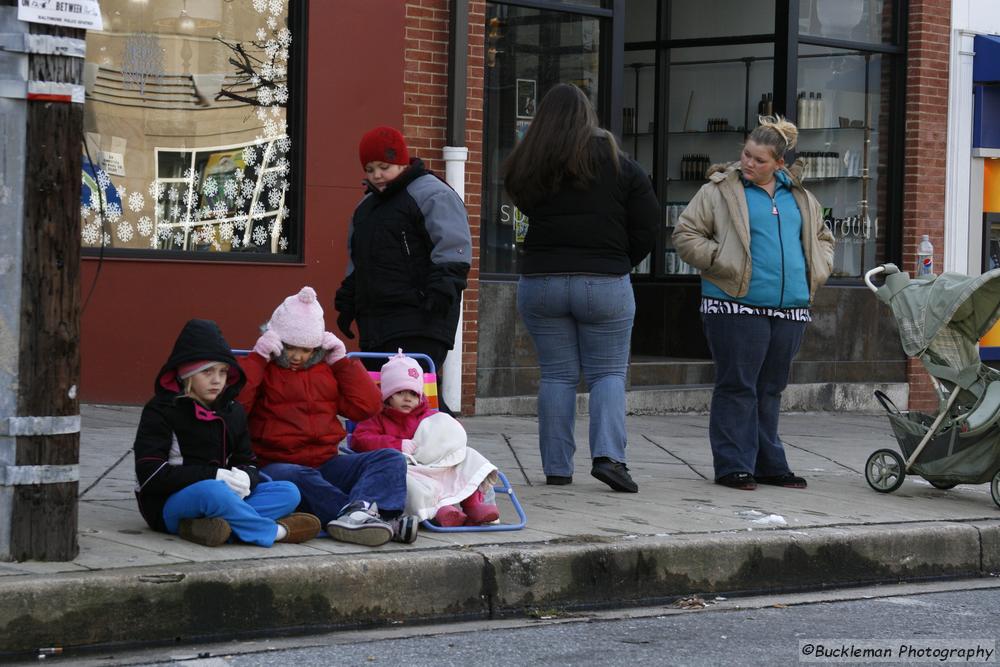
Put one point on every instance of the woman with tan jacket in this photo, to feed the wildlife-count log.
(759, 239)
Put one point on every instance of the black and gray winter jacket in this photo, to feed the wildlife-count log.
(605, 229)
(410, 252)
(179, 441)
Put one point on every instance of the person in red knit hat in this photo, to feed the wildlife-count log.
(409, 254)
(299, 379)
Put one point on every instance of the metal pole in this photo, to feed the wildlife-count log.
(456, 153)
(13, 121)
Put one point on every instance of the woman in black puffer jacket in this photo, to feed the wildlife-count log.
(592, 217)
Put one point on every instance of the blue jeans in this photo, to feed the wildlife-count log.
(579, 321)
(251, 518)
(753, 358)
(378, 476)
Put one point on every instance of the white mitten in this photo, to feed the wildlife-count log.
(336, 350)
(234, 481)
(244, 481)
(408, 446)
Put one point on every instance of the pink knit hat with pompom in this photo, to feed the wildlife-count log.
(298, 320)
(399, 373)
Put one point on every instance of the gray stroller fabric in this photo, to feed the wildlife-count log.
(924, 308)
(940, 320)
(950, 456)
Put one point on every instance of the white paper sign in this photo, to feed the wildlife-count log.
(113, 163)
(85, 14)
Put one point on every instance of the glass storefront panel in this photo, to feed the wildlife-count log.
(854, 20)
(720, 18)
(640, 21)
(716, 94)
(843, 109)
(187, 140)
(528, 52)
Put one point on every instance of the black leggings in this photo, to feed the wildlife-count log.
(434, 349)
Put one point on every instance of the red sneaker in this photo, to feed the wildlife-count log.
(479, 512)
(449, 516)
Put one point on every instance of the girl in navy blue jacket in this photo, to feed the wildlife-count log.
(196, 473)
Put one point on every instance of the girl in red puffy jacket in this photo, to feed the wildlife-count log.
(299, 379)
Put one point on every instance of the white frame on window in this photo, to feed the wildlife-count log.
(188, 223)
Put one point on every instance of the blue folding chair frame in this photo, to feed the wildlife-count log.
(503, 488)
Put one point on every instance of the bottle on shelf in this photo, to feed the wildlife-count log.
(925, 257)
(811, 111)
(819, 115)
(769, 105)
(800, 109)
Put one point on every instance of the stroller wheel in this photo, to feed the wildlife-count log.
(995, 488)
(944, 486)
(884, 471)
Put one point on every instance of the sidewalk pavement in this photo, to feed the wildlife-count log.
(584, 545)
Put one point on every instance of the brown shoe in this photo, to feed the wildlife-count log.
(210, 532)
(300, 527)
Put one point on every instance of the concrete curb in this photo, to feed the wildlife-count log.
(225, 599)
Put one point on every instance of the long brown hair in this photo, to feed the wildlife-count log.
(564, 147)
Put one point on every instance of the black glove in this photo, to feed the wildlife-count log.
(344, 324)
(437, 304)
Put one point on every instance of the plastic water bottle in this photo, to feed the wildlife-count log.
(925, 257)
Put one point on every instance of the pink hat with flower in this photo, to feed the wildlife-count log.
(399, 373)
(298, 320)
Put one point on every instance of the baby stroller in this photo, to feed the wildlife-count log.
(941, 319)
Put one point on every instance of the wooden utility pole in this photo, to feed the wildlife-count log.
(40, 172)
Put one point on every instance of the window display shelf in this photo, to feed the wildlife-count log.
(677, 133)
(833, 179)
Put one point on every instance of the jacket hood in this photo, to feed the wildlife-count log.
(200, 339)
(720, 171)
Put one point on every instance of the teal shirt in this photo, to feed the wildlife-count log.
(778, 265)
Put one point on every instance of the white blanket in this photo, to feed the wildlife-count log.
(443, 469)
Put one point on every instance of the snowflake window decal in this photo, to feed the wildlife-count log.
(192, 201)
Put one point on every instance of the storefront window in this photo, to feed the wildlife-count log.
(843, 116)
(527, 52)
(641, 21)
(720, 18)
(716, 94)
(853, 20)
(188, 146)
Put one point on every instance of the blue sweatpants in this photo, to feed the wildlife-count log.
(378, 476)
(252, 518)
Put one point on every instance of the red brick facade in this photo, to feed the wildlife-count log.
(424, 124)
(925, 149)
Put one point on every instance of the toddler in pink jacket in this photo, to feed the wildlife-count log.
(443, 470)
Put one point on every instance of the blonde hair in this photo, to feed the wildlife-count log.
(777, 133)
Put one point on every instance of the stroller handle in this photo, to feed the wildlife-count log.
(884, 268)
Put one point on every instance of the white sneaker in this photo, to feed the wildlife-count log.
(359, 523)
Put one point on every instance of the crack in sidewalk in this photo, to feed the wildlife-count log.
(506, 438)
(104, 474)
(809, 451)
(656, 444)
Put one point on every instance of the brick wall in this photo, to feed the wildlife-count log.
(925, 149)
(425, 100)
